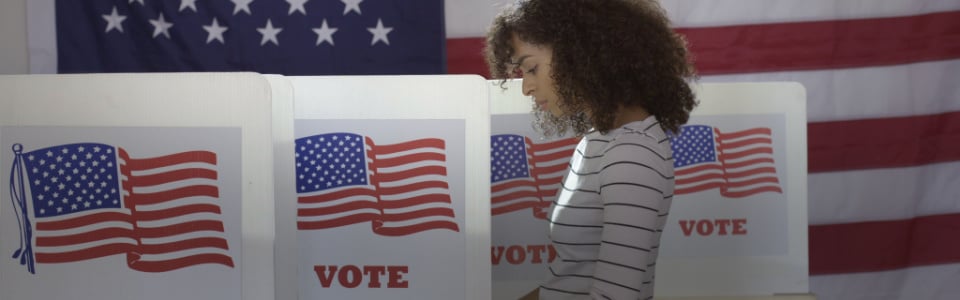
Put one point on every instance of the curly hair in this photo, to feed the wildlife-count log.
(607, 54)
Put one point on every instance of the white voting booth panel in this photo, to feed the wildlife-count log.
(382, 192)
(738, 223)
(136, 186)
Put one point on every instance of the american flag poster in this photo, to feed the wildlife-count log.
(730, 194)
(382, 200)
(525, 174)
(150, 211)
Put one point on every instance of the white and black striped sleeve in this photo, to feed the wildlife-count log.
(633, 181)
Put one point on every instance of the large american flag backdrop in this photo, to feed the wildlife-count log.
(882, 107)
(346, 178)
(91, 200)
(883, 113)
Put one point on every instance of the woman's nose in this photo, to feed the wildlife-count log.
(527, 87)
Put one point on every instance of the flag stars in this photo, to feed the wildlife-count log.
(269, 33)
(215, 31)
(380, 33)
(241, 5)
(324, 34)
(351, 5)
(297, 5)
(191, 4)
(160, 26)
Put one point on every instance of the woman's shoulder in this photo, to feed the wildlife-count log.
(630, 145)
(639, 138)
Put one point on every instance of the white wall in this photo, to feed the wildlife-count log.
(13, 37)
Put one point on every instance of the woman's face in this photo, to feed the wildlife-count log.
(533, 63)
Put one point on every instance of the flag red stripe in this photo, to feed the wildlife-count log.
(697, 188)
(741, 194)
(413, 187)
(84, 254)
(824, 44)
(743, 133)
(502, 186)
(516, 206)
(428, 212)
(465, 56)
(172, 176)
(747, 142)
(179, 263)
(409, 158)
(89, 236)
(751, 172)
(552, 156)
(790, 46)
(752, 181)
(414, 201)
(177, 211)
(341, 221)
(884, 245)
(140, 164)
(337, 195)
(180, 228)
(207, 242)
(537, 171)
(349, 206)
(883, 142)
(552, 145)
(726, 154)
(704, 177)
(513, 196)
(406, 230)
(406, 174)
(555, 179)
(406, 146)
(84, 220)
(748, 162)
(174, 194)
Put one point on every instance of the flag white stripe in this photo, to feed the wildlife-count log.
(927, 282)
(84, 246)
(883, 194)
(873, 92)
(470, 18)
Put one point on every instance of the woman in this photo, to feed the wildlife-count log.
(614, 72)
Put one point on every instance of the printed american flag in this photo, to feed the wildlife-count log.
(291, 37)
(345, 178)
(739, 163)
(93, 200)
(524, 174)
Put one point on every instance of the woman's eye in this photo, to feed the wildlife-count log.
(532, 70)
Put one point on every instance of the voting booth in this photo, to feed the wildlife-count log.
(384, 194)
(738, 223)
(249, 186)
(136, 186)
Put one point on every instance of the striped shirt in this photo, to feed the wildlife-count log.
(611, 210)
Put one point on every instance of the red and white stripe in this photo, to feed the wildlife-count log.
(883, 87)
